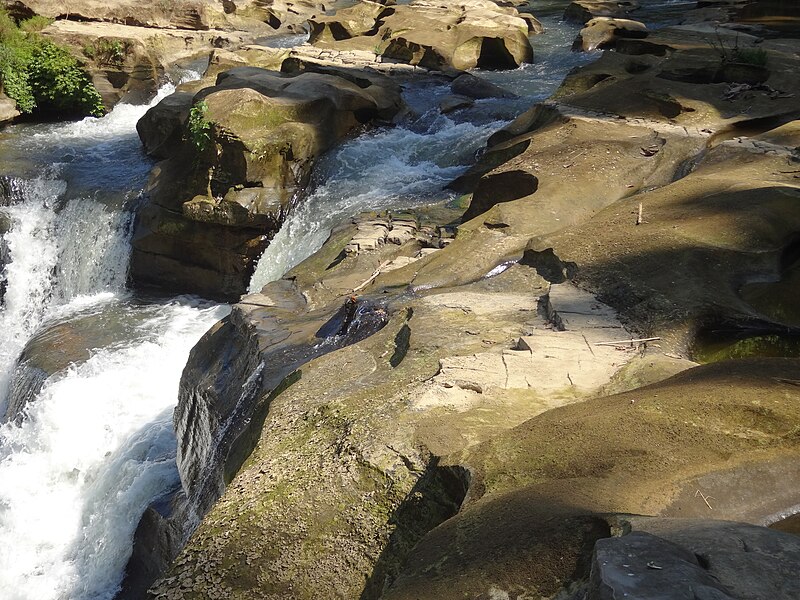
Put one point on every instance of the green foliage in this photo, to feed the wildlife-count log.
(59, 84)
(35, 24)
(40, 75)
(198, 126)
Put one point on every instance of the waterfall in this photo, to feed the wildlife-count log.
(93, 443)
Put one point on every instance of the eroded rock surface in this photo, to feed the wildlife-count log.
(434, 35)
(501, 427)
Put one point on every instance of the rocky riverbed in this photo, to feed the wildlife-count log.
(572, 374)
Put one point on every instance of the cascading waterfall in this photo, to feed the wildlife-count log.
(95, 446)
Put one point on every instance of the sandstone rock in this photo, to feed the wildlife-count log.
(358, 20)
(8, 110)
(557, 482)
(265, 128)
(130, 62)
(281, 15)
(582, 11)
(179, 14)
(602, 33)
(434, 35)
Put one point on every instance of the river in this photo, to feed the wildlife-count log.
(89, 369)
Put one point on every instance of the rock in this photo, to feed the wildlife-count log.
(130, 62)
(471, 86)
(8, 110)
(433, 35)
(502, 187)
(602, 33)
(161, 129)
(179, 14)
(156, 542)
(258, 347)
(644, 566)
(449, 104)
(539, 513)
(265, 128)
(692, 558)
(358, 20)
(583, 11)
(281, 15)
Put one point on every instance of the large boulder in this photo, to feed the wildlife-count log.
(432, 34)
(229, 178)
(8, 110)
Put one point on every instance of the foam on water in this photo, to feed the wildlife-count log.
(389, 168)
(96, 447)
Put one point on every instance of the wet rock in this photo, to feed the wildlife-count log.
(227, 384)
(475, 87)
(453, 103)
(214, 209)
(603, 32)
(156, 542)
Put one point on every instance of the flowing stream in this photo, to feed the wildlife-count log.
(85, 452)
(409, 164)
(89, 371)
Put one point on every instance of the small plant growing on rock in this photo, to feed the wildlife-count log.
(749, 56)
(107, 52)
(198, 126)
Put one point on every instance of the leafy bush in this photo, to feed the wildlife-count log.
(40, 75)
(59, 84)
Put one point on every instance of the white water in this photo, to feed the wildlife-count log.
(96, 445)
(384, 169)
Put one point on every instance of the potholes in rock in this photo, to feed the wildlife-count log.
(354, 321)
(777, 300)
(716, 343)
(498, 188)
(548, 265)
